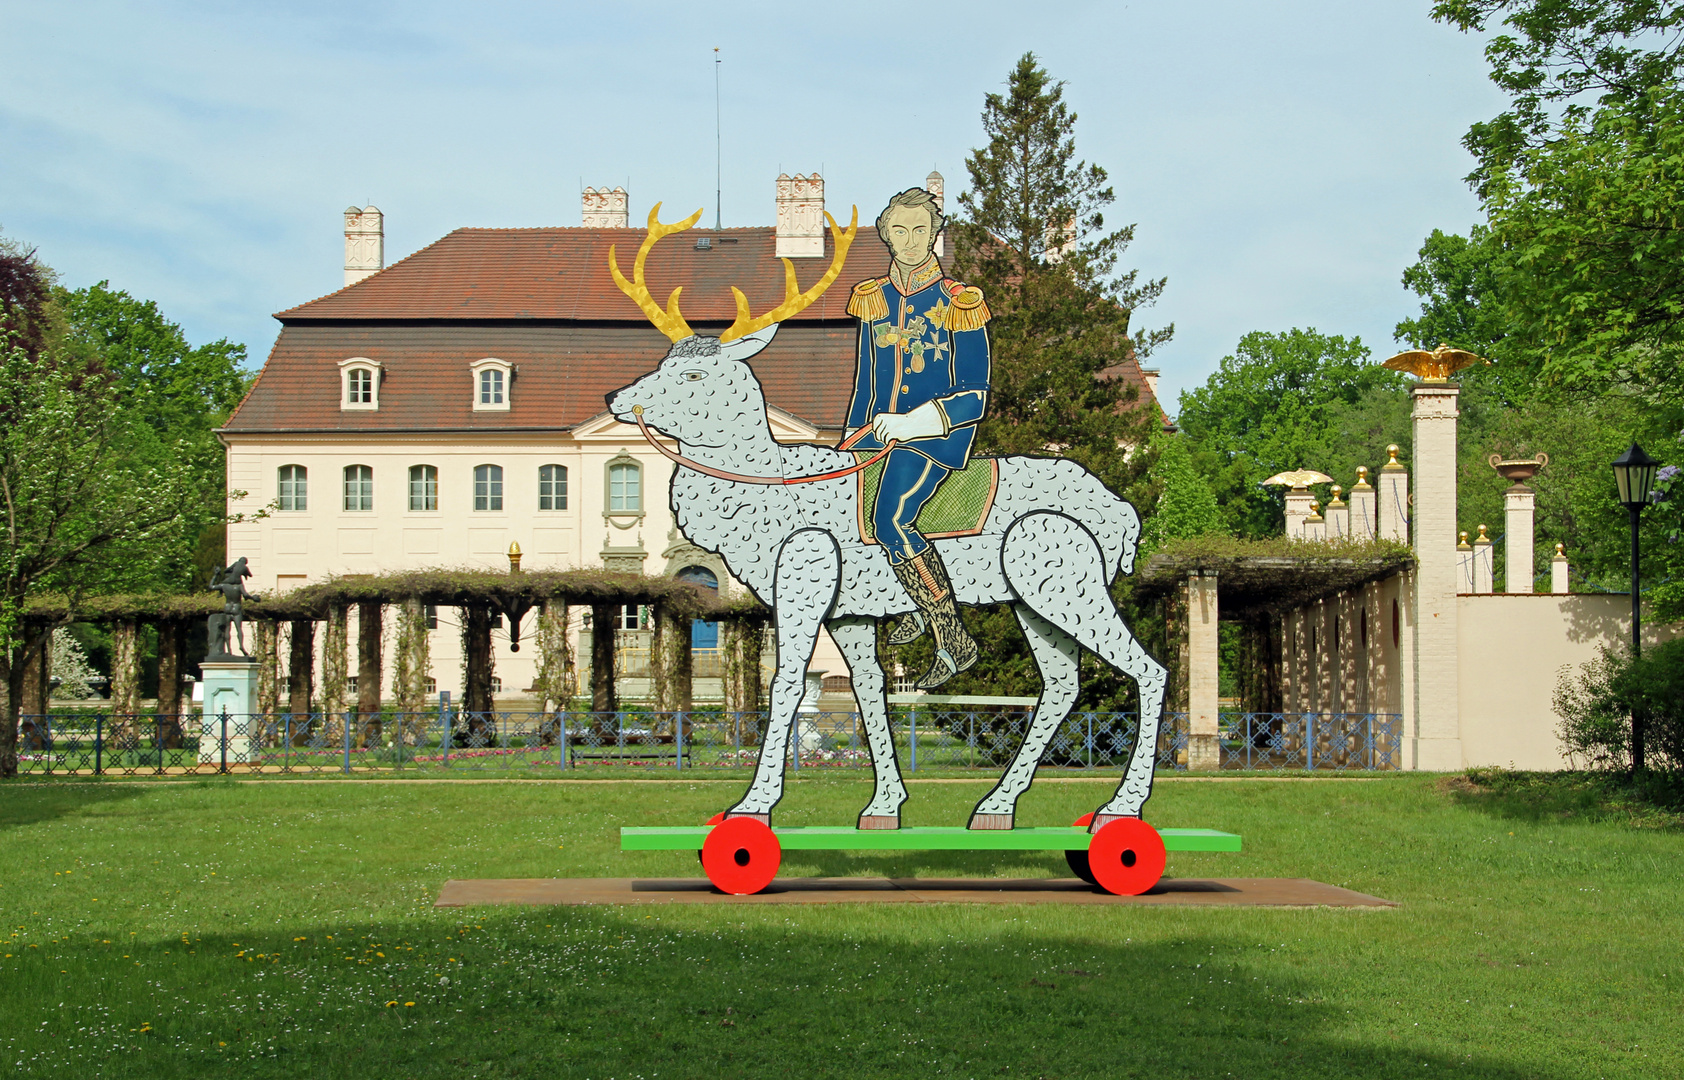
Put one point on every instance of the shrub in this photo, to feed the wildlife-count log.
(1597, 704)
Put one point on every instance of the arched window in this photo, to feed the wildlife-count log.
(625, 487)
(423, 487)
(493, 384)
(488, 487)
(293, 486)
(359, 380)
(703, 634)
(359, 487)
(552, 487)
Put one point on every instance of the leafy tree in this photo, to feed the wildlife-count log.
(1298, 399)
(78, 500)
(1186, 506)
(1035, 241)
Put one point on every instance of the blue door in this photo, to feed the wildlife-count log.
(703, 635)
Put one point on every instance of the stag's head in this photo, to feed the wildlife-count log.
(703, 393)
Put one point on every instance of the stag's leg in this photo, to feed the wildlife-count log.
(808, 574)
(857, 638)
(1057, 655)
(1055, 566)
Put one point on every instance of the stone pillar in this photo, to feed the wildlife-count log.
(231, 694)
(936, 185)
(365, 242)
(1363, 504)
(800, 222)
(1434, 732)
(1484, 564)
(1204, 744)
(1392, 506)
(604, 208)
(1559, 583)
(1315, 526)
(1299, 506)
(604, 698)
(1519, 510)
(1338, 516)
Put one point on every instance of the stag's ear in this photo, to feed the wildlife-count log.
(749, 344)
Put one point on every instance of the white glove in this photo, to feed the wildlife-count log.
(924, 422)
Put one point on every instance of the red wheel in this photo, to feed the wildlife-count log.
(741, 856)
(1126, 857)
(1078, 857)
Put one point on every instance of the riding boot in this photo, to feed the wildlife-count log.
(926, 580)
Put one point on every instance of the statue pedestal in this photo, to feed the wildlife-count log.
(231, 692)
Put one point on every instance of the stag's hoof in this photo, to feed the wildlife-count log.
(879, 821)
(1097, 821)
(991, 821)
(909, 629)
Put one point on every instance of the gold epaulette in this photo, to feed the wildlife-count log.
(867, 302)
(970, 310)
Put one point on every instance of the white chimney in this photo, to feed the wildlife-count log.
(604, 208)
(936, 186)
(365, 242)
(800, 217)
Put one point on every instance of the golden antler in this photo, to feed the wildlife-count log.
(668, 322)
(795, 301)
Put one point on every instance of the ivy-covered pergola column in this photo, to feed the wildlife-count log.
(476, 672)
(172, 648)
(369, 681)
(301, 663)
(670, 660)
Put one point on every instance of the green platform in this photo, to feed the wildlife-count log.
(929, 838)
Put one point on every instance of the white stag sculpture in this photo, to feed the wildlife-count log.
(1052, 542)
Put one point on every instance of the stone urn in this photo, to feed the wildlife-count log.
(1518, 470)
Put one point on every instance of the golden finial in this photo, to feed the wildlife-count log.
(1392, 464)
(514, 556)
(1436, 366)
(1335, 502)
(1362, 479)
(1482, 538)
(1560, 551)
(1464, 545)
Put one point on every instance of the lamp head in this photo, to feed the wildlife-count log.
(1634, 474)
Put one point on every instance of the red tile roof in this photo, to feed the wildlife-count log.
(542, 299)
(563, 274)
(563, 373)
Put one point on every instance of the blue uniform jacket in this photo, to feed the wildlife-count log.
(927, 344)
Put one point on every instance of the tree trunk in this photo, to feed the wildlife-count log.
(555, 684)
(476, 674)
(369, 658)
(11, 690)
(301, 671)
(125, 686)
(604, 699)
(37, 677)
(172, 647)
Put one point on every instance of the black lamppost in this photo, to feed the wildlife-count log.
(1634, 473)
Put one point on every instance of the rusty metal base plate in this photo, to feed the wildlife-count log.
(1197, 892)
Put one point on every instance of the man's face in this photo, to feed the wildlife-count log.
(910, 235)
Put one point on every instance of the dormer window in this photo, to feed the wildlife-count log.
(359, 384)
(493, 379)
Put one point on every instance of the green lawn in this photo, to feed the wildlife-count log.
(208, 928)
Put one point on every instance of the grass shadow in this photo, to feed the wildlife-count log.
(28, 803)
(598, 992)
(1563, 797)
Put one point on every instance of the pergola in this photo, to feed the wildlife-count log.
(479, 595)
(1253, 583)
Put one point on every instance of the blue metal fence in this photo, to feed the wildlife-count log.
(447, 741)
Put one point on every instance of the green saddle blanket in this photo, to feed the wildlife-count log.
(958, 508)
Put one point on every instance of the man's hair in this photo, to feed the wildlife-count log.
(918, 199)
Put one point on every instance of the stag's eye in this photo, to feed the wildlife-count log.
(695, 376)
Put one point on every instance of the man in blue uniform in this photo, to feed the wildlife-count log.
(922, 381)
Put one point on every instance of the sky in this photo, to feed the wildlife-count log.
(1282, 162)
